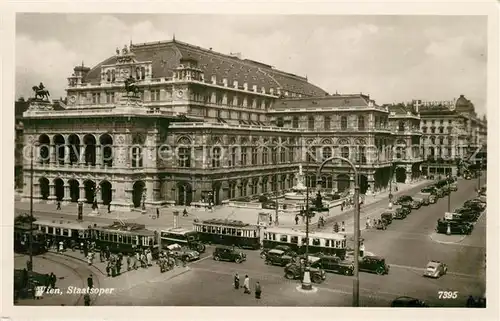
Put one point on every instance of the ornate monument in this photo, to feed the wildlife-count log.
(299, 190)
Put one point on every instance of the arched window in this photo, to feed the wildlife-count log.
(361, 123)
(143, 73)
(343, 123)
(295, 122)
(108, 76)
(344, 151)
(401, 126)
(265, 155)
(216, 157)
(327, 152)
(136, 156)
(137, 73)
(310, 123)
(113, 75)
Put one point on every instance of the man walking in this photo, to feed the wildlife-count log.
(90, 282)
(246, 285)
(296, 220)
(236, 281)
(258, 290)
(58, 205)
(157, 212)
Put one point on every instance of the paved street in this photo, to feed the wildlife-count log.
(407, 246)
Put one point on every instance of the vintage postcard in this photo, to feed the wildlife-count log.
(231, 155)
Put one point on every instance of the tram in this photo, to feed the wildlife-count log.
(71, 233)
(22, 233)
(228, 232)
(183, 237)
(319, 242)
(125, 238)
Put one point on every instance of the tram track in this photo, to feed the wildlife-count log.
(77, 270)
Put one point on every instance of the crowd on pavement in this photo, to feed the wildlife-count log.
(246, 286)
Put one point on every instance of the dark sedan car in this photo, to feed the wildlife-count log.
(408, 302)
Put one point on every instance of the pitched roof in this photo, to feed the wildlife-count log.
(356, 100)
(166, 56)
(401, 110)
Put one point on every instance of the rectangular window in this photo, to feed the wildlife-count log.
(155, 95)
(96, 97)
(243, 156)
(254, 156)
(282, 155)
(327, 121)
(283, 238)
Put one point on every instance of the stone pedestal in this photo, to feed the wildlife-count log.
(128, 103)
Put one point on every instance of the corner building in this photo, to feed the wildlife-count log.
(203, 123)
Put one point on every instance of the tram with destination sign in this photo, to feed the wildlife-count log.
(71, 233)
(319, 242)
(183, 237)
(125, 238)
(228, 232)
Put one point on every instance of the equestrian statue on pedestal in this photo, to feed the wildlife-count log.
(41, 92)
(130, 86)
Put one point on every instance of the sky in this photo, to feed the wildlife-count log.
(391, 58)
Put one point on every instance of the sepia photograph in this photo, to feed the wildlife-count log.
(250, 160)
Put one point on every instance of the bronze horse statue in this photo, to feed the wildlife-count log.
(41, 92)
(130, 86)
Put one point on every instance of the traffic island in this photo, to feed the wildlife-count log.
(446, 239)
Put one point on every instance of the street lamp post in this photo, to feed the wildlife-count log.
(276, 219)
(306, 281)
(449, 193)
(30, 267)
(355, 292)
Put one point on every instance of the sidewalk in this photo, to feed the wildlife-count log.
(165, 219)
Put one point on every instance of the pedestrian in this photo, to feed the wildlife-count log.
(46, 282)
(58, 205)
(89, 258)
(342, 206)
(149, 258)
(246, 285)
(343, 226)
(101, 255)
(128, 262)
(157, 212)
(90, 281)
(368, 223)
(362, 249)
(296, 220)
(109, 208)
(86, 299)
(61, 246)
(258, 290)
(137, 260)
(236, 281)
(53, 280)
(185, 213)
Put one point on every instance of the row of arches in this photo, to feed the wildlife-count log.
(90, 190)
(87, 146)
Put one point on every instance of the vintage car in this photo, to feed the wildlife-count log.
(456, 227)
(183, 253)
(428, 193)
(226, 253)
(380, 224)
(454, 187)
(404, 200)
(416, 203)
(285, 248)
(278, 257)
(334, 264)
(374, 264)
(475, 204)
(435, 269)
(295, 271)
(408, 302)
(387, 217)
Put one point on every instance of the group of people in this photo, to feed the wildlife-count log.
(246, 286)
(167, 261)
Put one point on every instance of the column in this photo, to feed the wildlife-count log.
(52, 194)
(52, 153)
(66, 155)
(81, 197)
(150, 191)
(98, 155)
(408, 179)
(82, 155)
(67, 194)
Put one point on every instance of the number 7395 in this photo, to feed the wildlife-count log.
(447, 294)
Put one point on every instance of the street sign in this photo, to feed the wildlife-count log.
(448, 216)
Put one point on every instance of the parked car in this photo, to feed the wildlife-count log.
(278, 257)
(435, 269)
(420, 201)
(429, 194)
(295, 271)
(404, 200)
(334, 264)
(374, 264)
(456, 227)
(285, 248)
(226, 253)
(183, 253)
(387, 217)
(408, 302)
(454, 187)
(380, 224)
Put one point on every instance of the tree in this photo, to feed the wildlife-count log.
(318, 202)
